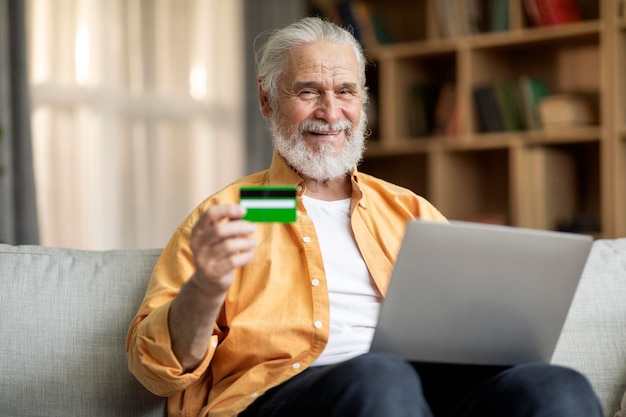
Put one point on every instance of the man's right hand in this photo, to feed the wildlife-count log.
(220, 242)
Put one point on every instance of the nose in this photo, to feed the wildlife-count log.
(328, 108)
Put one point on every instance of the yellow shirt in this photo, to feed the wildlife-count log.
(275, 320)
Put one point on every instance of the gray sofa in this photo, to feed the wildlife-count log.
(64, 316)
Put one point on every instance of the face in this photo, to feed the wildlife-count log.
(318, 120)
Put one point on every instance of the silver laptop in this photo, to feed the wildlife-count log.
(472, 293)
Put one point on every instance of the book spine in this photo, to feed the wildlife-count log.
(556, 12)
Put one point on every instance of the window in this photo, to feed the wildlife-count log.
(137, 115)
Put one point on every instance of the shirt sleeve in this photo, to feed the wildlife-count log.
(148, 345)
(427, 211)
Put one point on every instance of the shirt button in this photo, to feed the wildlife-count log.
(317, 324)
(306, 239)
(296, 365)
(315, 282)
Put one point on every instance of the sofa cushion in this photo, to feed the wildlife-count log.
(593, 340)
(64, 315)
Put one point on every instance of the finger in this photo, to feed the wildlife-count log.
(233, 228)
(227, 247)
(210, 225)
(223, 239)
(220, 259)
(217, 213)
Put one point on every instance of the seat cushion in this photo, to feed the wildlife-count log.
(64, 315)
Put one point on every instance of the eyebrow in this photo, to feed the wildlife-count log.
(307, 84)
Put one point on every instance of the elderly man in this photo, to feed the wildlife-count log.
(276, 319)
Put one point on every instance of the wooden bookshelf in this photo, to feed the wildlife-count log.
(568, 177)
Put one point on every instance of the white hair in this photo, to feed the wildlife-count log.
(272, 56)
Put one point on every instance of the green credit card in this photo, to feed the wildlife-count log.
(269, 204)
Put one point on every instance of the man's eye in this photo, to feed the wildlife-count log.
(307, 93)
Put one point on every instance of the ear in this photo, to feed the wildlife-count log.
(264, 102)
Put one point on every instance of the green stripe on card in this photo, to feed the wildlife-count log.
(271, 215)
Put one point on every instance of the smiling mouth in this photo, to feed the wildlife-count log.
(333, 133)
(326, 130)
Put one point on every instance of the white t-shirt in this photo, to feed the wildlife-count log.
(354, 300)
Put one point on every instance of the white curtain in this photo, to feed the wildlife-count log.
(137, 115)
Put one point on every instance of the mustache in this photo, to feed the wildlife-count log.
(318, 126)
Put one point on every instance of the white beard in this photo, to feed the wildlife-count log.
(322, 163)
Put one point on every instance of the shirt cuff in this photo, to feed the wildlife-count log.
(152, 360)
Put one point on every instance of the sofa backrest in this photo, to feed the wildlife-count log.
(64, 315)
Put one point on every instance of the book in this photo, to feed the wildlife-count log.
(532, 12)
(508, 106)
(552, 12)
(349, 20)
(380, 29)
(566, 110)
(445, 117)
(361, 14)
(477, 11)
(487, 111)
(422, 101)
(445, 19)
(499, 15)
(531, 90)
(460, 17)
(367, 26)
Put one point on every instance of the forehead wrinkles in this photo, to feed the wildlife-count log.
(322, 61)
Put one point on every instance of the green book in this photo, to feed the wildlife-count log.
(508, 106)
(499, 15)
(532, 91)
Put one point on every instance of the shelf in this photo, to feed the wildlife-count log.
(398, 147)
(571, 33)
(561, 34)
(414, 49)
(499, 140)
(578, 134)
(484, 141)
(514, 171)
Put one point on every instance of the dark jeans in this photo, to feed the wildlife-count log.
(382, 385)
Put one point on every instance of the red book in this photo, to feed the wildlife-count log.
(556, 12)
